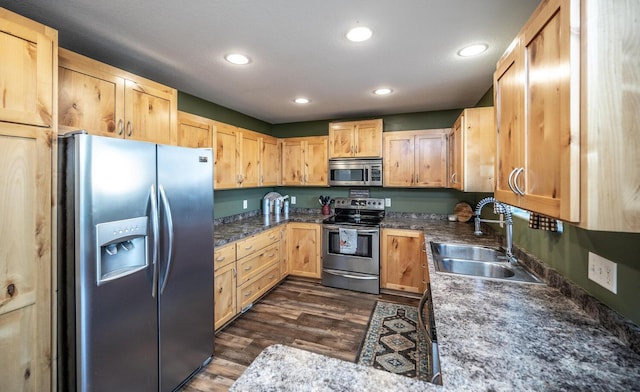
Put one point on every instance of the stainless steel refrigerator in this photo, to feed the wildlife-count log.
(135, 278)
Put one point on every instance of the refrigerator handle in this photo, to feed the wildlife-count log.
(155, 227)
(168, 216)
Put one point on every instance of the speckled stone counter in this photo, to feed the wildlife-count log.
(225, 232)
(492, 335)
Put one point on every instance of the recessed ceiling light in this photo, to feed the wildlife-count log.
(473, 50)
(236, 58)
(359, 34)
(301, 100)
(382, 91)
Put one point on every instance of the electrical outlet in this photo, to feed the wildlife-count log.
(604, 272)
(293, 200)
(387, 202)
(244, 204)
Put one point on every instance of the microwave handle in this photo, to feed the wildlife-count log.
(366, 174)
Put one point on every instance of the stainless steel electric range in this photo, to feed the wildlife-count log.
(351, 245)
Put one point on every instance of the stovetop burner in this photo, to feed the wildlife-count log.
(357, 211)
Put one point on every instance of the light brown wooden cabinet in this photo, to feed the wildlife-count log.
(244, 158)
(537, 98)
(194, 131)
(403, 260)
(243, 271)
(472, 150)
(225, 286)
(270, 161)
(415, 158)
(355, 139)
(284, 260)
(304, 161)
(304, 255)
(107, 101)
(28, 128)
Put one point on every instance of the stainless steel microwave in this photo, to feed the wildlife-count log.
(355, 172)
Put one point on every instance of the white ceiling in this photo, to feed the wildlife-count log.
(297, 48)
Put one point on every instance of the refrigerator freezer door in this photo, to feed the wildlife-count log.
(185, 187)
(116, 338)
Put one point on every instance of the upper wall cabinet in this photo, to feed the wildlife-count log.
(472, 150)
(244, 158)
(355, 139)
(194, 131)
(537, 99)
(416, 159)
(567, 115)
(304, 161)
(26, 73)
(107, 101)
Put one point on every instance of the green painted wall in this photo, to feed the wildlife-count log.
(194, 105)
(229, 202)
(567, 252)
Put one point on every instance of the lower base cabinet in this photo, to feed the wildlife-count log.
(243, 271)
(304, 256)
(403, 260)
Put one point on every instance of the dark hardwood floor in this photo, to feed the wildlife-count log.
(297, 313)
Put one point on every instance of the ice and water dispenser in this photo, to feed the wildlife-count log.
(122, 248)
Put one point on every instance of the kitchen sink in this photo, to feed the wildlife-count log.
(478, 261)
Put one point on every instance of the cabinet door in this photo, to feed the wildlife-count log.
(292, 162)
(455, 175)
(304, 249)
(403, 260)
(26, 73)
(269, 162)
(249, 158)
(341, 143)
(25, 257)
(550, 181)
(226, 157)
(316, 170)
(398, 159)
(194, 131)
(93, 102)
(478, 149)
(149, 113)
(284, 264)
(430, 154)
(224, 294)
(509, 104)
(368, 139)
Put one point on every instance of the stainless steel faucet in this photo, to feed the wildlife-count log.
(498, 208)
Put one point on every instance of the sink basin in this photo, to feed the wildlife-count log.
(478, 261)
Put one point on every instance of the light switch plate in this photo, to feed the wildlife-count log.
(604, 272)
(387, 202)
(244, 204)
(293, 200)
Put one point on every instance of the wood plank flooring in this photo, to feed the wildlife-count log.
(297, 313)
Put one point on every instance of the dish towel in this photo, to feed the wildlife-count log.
(542, 222)
(348, 240)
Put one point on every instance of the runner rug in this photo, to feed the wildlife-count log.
(395, 343)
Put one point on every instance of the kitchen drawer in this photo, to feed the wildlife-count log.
(257, 286)
(253, 264)
(224, 255)
(256, 242)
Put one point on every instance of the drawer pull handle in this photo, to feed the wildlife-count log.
(272, 276)
(248, 247)
(220, 258)
(220, 291)
(248, 294)
(247, 268)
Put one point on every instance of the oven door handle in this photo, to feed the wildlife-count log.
(359, 231)
(340, 273)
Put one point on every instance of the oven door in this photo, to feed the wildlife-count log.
(365, 260)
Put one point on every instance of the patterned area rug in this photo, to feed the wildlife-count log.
(394, 342)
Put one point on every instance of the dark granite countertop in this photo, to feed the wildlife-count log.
(492, 335)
